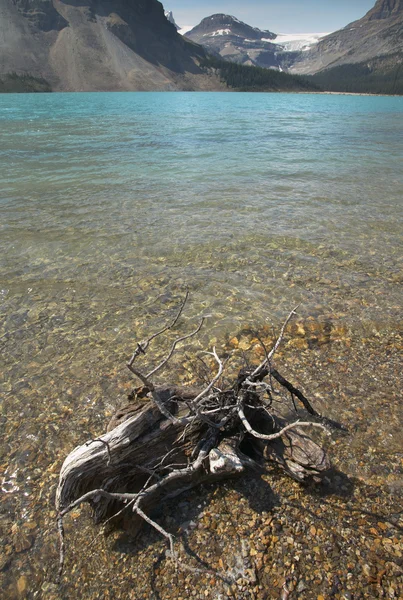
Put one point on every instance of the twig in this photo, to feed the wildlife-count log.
(275, 436)
(213, 381)
(101, 441)
(285, 592)
(142, 346)
(266, 361)
(160, 529)
(62, 548)
(294, 391)
(176, 342)
(176, 319)
(154, 393)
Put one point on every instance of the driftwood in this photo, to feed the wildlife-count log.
(170, 439)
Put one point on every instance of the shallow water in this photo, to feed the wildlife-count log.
(238, 196)
(113, 204)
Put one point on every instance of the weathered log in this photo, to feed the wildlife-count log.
(124, 457)
(169, 439)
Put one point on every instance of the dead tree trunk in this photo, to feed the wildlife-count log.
(171, 439)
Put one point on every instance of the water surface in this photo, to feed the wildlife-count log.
(113, 204)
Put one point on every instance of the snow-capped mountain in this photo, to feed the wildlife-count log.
(235, 40)
(220, 24)
(182, 30)
(370, 48)
(169, 15)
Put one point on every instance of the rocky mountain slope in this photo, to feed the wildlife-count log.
(98, 45)
(375, 37)
(236, 41)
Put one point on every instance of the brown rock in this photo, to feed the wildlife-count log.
(22, 585)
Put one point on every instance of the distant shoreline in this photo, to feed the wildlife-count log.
(353, 94)
(226, 91)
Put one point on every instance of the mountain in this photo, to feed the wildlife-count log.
(225, 36)
(97, 45)
(376, 38)
(169, 15)
(233, 40)
(88, 45)
(365, 56)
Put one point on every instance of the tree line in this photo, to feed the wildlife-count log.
(247, 78)
(381, 77)
(361, 78)
(14, 82)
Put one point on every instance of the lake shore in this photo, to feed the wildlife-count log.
(247, 537)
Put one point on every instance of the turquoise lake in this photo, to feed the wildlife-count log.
(237, 196)
(113, 204)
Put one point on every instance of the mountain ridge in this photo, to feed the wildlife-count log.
(118, 45)
(378, 33)
(384, 9)
(91, 45)
(373, 43)
(170, 17)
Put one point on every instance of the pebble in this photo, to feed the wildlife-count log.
(22, 585)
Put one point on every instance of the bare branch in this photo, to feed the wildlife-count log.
(213, 381)
(176, 319)
(154, 394)
(275, 436)
(294, 391)
(142, 346)
(94, 495)
(266, 361)
(62, 547)
(176, 342)
(160, 529)
(101, 441)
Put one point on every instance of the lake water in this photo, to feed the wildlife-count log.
(254, 201)
(113, 204)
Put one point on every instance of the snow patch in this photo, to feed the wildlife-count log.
(293, 42)
(184, 30)
(218, 32)
(261, 40)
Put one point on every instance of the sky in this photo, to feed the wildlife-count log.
(279, 16)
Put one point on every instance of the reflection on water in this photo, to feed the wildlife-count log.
(114, 204)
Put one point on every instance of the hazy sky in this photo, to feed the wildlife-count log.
(279, 16)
